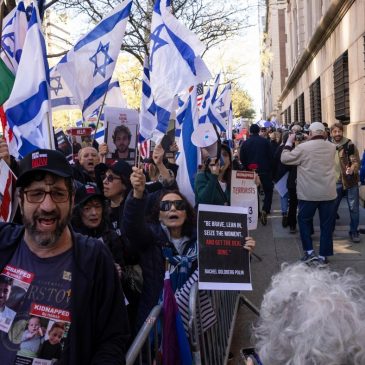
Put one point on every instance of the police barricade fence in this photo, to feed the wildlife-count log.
(208, 348)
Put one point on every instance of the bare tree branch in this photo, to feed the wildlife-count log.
(213, 23)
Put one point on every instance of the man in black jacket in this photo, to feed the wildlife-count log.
(256, 154)
(60, 276)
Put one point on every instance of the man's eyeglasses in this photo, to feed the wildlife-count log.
(38, 196)
(165, 205)
(110, 178)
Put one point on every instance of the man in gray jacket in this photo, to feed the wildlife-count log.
(316, 189)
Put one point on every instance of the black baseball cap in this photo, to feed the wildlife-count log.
(86, 192)
(43, 160)
(122, 169)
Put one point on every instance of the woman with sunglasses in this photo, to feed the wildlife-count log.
(167, 238)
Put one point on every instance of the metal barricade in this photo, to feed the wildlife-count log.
(212, 347)
(141, 345)
(208, 348)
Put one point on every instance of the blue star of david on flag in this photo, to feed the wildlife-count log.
(220, 105)
(102, 51)
(8, 43)
(56, 87)
(156, 43)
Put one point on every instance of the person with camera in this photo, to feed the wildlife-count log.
(212, 183)
(347, 162)
(316, 189)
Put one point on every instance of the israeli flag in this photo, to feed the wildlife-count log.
(175, 63)
(147, 115)
(209, 113)
(28, 107)
(61, 96)
(88, 67)
(14, 30)
(189, 157)
(223, 106)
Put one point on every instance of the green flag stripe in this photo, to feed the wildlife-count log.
(6, 82)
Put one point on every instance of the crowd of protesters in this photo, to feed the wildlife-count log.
(105, 234)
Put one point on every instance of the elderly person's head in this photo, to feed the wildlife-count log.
(88, 159)
(312, 316)
(317, 129)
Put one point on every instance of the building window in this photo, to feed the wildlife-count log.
(315, 101)
(289, 115)
(342, 89)
(296, 110)
(301, 108)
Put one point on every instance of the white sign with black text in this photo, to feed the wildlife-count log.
(244, 194)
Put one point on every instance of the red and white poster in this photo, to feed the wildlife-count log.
(244, 194)
(42, 340)
(14, 284)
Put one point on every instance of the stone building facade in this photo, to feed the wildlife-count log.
(325, 63)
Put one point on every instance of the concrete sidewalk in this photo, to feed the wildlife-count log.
(275, 245)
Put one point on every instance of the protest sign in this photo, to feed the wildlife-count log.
(223, 262)
(63, 143)
(121, 135)
(80, 137)
(244, 194)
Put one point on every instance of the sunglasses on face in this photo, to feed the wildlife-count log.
(111, 178)
(165, 205)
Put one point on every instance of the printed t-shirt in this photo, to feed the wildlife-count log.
(41, 297)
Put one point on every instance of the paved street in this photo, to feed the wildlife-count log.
(275, 245)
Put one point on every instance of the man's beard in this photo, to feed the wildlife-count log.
(45, 239)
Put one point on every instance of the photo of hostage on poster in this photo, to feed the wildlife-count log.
(223, 262)
(42, 340)
(14, 284)
(121, 136)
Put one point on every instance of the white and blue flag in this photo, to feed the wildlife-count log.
(61, 96)
(189, 156)
(175, 63)
(28, 107)
(223, 106)
(14, 29)
(88, 67)
(147, 115)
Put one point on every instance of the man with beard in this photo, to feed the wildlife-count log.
(122, 138)
(69, 274)
(347, 163)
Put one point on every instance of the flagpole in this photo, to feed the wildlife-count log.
(99, 114)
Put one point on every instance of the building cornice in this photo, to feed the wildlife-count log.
(327, 25)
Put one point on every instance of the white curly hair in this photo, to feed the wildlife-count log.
(312, 317)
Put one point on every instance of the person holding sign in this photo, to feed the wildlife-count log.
(169, 236)
(212, 184)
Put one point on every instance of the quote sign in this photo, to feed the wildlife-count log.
(244, 194)
(223, 262)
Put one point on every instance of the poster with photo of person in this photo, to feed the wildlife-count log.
(80, 137)
(42, 338)
(14, 284)
(121, 135)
